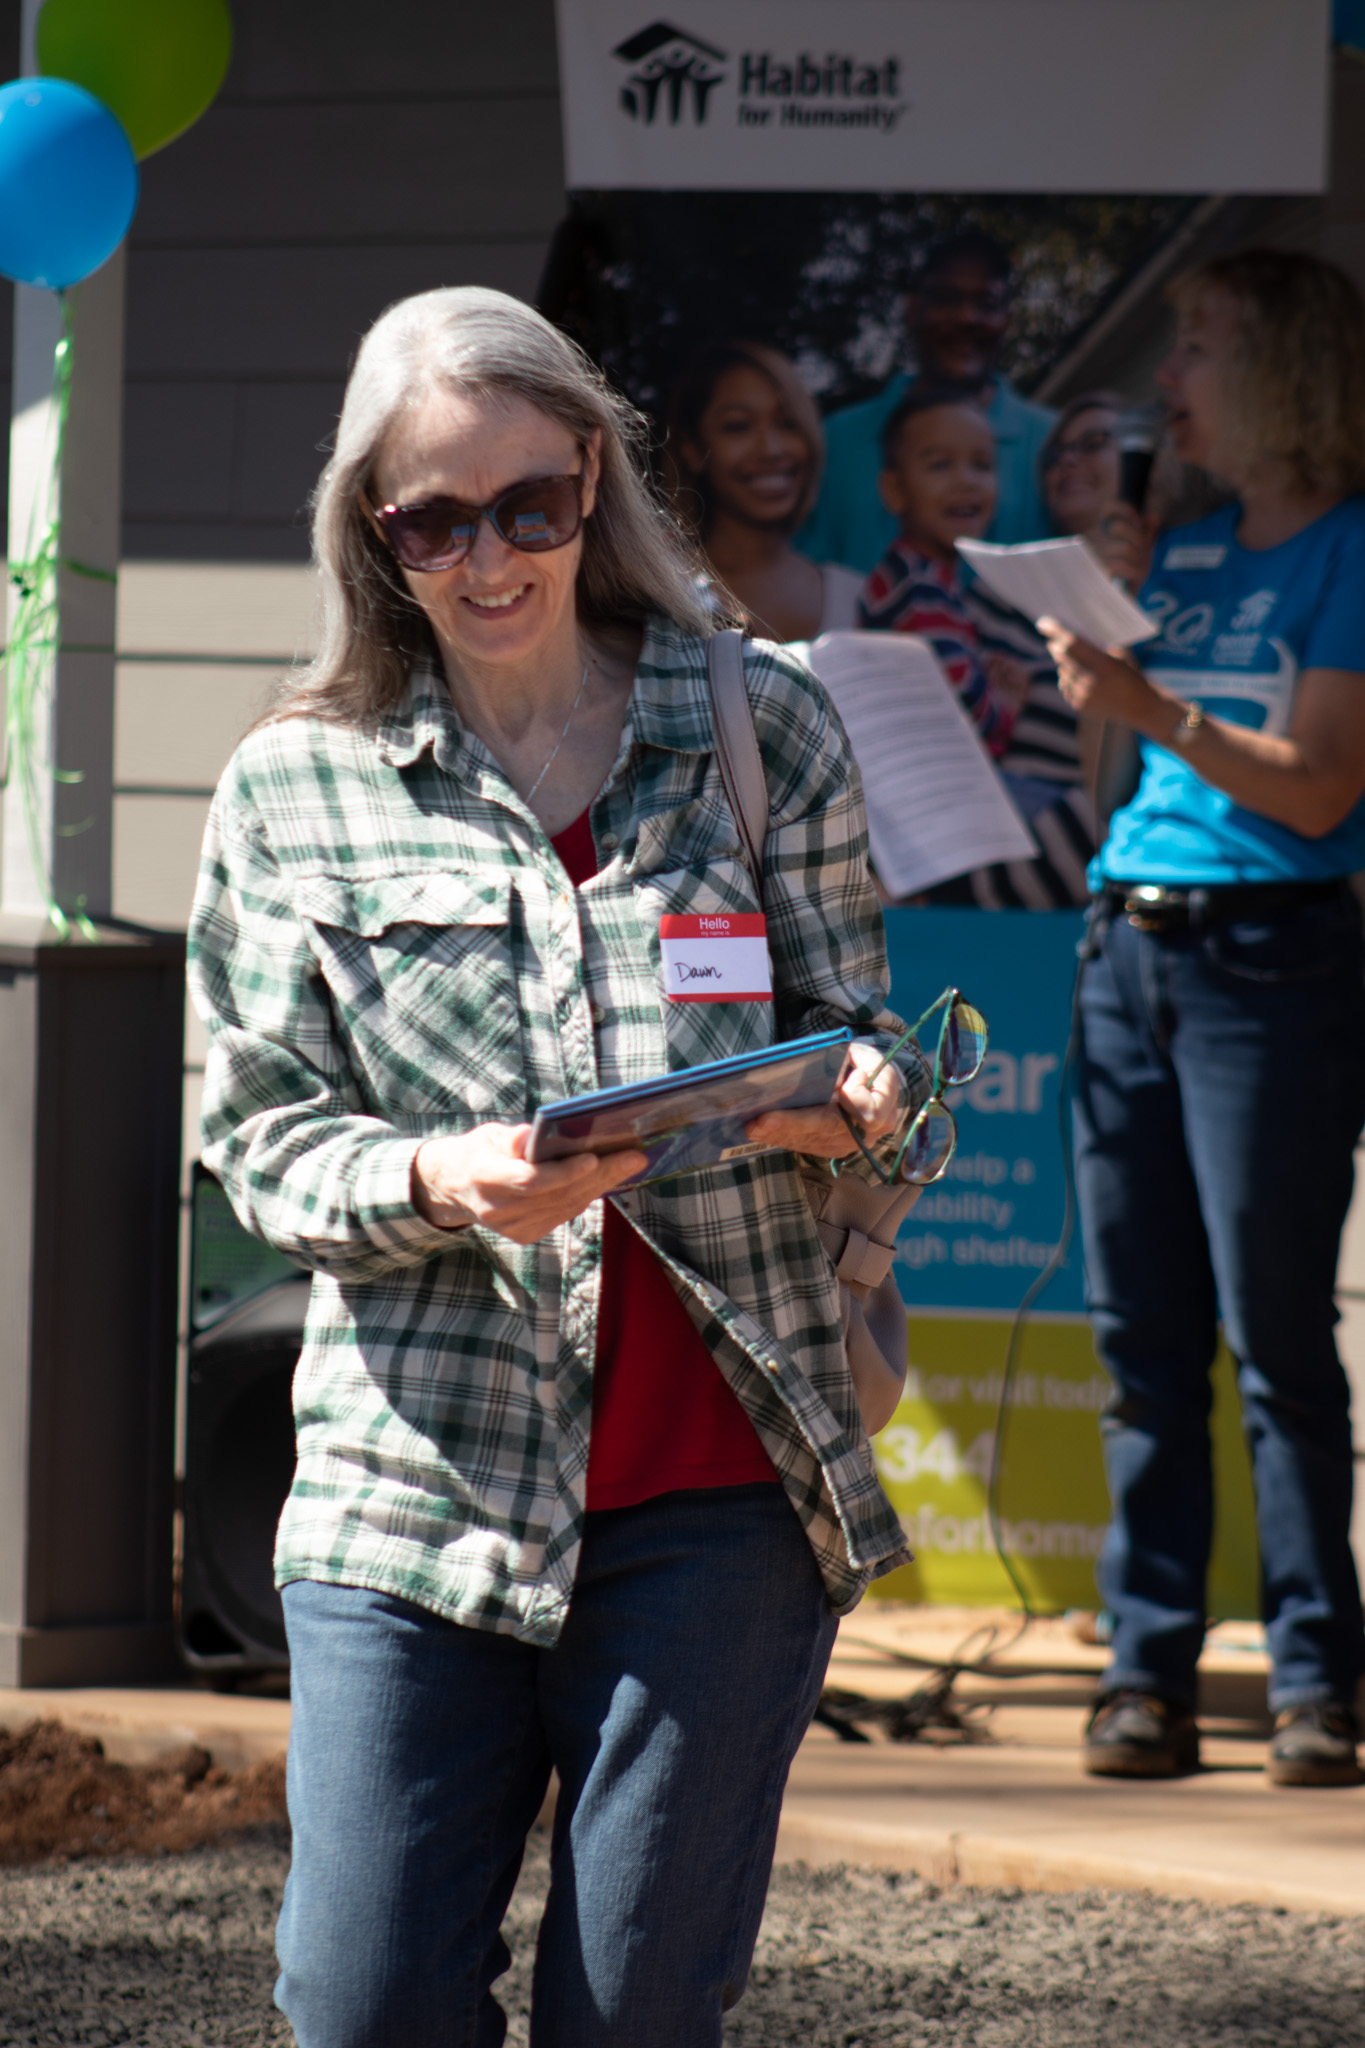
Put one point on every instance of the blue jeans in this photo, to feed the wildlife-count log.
(1220, 1093)
(671, 1708)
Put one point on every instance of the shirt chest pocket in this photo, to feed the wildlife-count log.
(420, 968)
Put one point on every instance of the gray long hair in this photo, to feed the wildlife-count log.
(635, 558)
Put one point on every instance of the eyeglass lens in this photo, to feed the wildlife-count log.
(930, 1144)
(534, 517)
(963, 1044)
(1092, 443)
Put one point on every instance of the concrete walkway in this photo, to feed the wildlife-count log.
(140, 1726)
(1010, 1809)
(1015, 1809)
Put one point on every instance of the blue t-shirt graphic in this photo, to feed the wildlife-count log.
(1238, 626)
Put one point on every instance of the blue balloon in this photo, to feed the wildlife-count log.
(68, 182)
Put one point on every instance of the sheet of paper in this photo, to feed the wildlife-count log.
(1062, 580)
(935, 805)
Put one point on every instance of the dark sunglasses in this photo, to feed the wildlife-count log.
(542, 513)
(932, 1137)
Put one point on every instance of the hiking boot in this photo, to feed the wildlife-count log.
(1138, 1735)
(1314, 1745)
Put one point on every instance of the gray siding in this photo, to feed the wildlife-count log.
(357, 153)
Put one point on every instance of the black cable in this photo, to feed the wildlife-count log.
(1086, 951)
(906, 1720)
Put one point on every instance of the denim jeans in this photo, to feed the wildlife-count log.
(1220, 1093)
(671, 1707)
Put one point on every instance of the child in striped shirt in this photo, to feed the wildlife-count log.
(939, 479)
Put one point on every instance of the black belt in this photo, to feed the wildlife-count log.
(1152, 907)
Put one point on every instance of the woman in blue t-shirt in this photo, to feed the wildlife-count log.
(1221, 1085)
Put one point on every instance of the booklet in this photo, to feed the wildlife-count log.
(695, 1118)
(1062, 580)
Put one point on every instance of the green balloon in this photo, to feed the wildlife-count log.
(155, 63)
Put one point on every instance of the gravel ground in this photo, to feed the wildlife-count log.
(176, 1953)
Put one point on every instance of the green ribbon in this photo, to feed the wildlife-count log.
(34, 639)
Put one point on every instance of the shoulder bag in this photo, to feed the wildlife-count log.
(857, 1222)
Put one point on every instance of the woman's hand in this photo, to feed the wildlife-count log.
(1123, 541)
(1109, 684)
(1309, 778)
(874, 1106)
(484, 1177)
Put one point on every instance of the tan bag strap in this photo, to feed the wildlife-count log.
(857, 1224)
(737, 755)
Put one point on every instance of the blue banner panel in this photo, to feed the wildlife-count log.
(980, 1236)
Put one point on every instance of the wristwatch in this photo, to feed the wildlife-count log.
(1187, 730)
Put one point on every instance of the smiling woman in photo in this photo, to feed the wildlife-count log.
(747, 452)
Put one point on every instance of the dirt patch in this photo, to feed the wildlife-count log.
(61, 1797)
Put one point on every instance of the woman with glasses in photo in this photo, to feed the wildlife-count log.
(1221, 1080)
(582, 1483)
(1078, 468)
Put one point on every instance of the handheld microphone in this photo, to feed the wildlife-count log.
(1138, 432)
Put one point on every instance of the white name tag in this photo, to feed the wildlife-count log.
(722, 958)
(1195, 555)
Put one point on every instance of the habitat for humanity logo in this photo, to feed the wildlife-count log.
(673, 70)
(837, 90)
(674, 75)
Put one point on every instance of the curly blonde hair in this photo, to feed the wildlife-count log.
(636, 559)
(1296, 382)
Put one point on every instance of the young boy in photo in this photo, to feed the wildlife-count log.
(938, 479)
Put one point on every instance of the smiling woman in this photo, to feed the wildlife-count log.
(495, 576)
(581, 1482)
(747, 451)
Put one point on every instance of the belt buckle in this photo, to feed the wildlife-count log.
(1144, 906)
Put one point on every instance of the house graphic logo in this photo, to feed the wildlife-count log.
(672, 74)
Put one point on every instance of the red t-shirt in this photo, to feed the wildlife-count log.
(663, 1415)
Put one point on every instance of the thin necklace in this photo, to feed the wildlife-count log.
(554, 751)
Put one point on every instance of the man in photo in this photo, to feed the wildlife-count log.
(957, 315)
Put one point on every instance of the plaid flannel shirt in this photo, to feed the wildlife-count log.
(384, 946)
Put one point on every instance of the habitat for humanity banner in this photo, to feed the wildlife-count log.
(945, 95)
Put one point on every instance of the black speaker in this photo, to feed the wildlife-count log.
(239, 1444)
(239, 1464)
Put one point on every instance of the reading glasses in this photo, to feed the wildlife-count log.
(931, 1140)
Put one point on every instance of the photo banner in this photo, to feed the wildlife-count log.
(1116, 96)
(779, 172)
